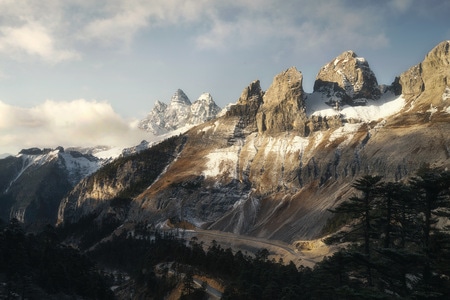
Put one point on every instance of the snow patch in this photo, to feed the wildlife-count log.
(386, 106)
(30, 160)
(79, 167)
(447, 110)
(222, 162)
(432, 110)
(446, 94)
(111, 153)
(347, 131)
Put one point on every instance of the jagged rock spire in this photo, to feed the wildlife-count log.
(247, 105)
(284, 107)
(346, 79)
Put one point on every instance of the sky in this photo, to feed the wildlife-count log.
(81, 72)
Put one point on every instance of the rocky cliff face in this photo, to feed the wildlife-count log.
(271, 168)
(347, 79)
(429, 80)
(283, 107)
(246, 108)
(33, 183)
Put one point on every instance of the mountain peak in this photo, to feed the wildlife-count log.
(180, 98)
(204, 109)
(283, 107)
(180, 112)
(205, 97)
(347, 78)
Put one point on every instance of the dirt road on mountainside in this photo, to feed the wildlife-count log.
(308, 256)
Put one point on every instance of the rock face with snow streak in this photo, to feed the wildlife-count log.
(33, 183)
(283, 107)
(180, 112)
(347, 79)
(203, 109)
(155, 121)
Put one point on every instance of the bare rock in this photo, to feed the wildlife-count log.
(248, 104)
(427, 81)
(347, 79)
(284, 107)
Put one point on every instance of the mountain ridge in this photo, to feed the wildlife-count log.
(277, 160)
(269, 169)
(178, 113)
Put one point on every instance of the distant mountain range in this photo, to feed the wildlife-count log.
(179, 113)
(270, 165)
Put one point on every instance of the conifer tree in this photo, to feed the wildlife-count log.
(362, 208)
(431, 187)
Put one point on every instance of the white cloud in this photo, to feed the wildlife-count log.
(119, 21)
(36, 29)
(33, 39)
(307, 26)
(53, 29)
(74, 123)
(57, 30)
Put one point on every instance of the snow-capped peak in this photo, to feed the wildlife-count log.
(180, 112)
(180, 98)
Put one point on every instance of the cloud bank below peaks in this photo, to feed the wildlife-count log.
(73, 123)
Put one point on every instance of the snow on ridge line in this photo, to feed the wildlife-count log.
(386, 106)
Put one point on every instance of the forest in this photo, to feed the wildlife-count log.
(395, 245)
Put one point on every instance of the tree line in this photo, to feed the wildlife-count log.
(398, 247)
(399, 241)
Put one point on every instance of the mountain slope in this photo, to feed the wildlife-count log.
(277, 160)
(33, 183)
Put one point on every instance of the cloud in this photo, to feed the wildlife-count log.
(35, 29)
(60, 30)
(118, 22)
(401, 5)
(35, 40)
(73, 123)
(303, 26)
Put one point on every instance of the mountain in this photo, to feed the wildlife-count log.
(347, 79)
(277, 160)
(33, 182)
(180, 112)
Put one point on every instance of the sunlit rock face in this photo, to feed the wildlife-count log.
(347, 79)
(427, 82)
(247, 106)
(283, 107)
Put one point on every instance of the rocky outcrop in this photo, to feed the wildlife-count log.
(347, 79)
(283, 107)
(426, 82)
(247, 105)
